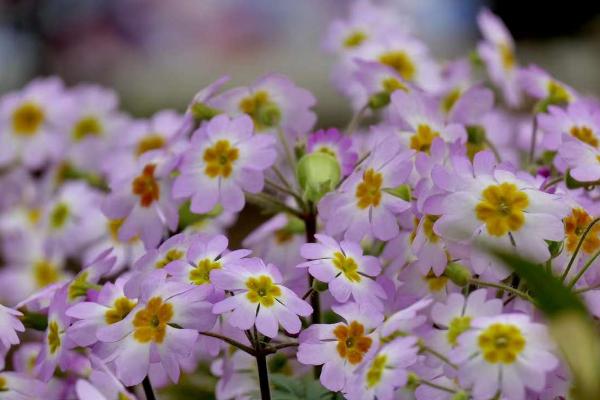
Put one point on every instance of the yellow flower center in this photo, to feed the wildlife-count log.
(27, 119)
(376, 369)
(201, 274)
(262, 290)
(283, 236)
(392, 84)
(347, 266)
(151, 322)
(34, 215)
(87, 126)
(121, 308)
(355, 39)
(368, 192)
(575, 225)
(146, 187)
(501, 208)
(428, 228)
(113, 226)
(352, 344)
(501, 343)
(53, 337)
(79, 286)
(423, 137)
(585, 134)
(261, 109)
(457, 326)
(435, 283)
(557, 94)
(507, 57)
(401, 62)
(59, 215)
(45, 273)
(3, 384)
(220, 159)
(450, 99)
(172, 255)
(150, 142)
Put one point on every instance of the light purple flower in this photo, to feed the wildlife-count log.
(363, 205)
(541, 86)
(9, 326)
(142, 200)
(579, 120)
(259, 298)
(584, 160)
(225, 158)
(344, 267)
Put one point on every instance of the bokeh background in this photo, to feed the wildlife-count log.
(157, 53)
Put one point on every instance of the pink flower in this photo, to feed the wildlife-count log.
(344, 267)
(342, 347)
(225, 159)
(259, 298)
(363, 204)
(162, 328)
(142, 199)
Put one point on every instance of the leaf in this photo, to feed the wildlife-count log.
(292, 388)
(569, 323)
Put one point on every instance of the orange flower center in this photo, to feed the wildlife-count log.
(353, 344)
(146, 187)
(151, 322)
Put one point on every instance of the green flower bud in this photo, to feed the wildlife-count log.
(402, 191)
(412, 382)
(462, 395)
(318, 173)
(379, 100)
(458, 274)
(320, 286)
(476, 134)
(202, 112)
(555, 248)
(268, 115)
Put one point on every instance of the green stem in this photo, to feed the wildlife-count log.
(436, 354)
(263, 371)
(507, 288)
(284, 190)
(356, 119)
(533, 139)
(587, 265)
(494, 149)
(286, 148)
(579, 244)
(436, 386)
(552, 182)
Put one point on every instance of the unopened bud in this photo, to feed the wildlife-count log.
(318, 174)
(458, 274)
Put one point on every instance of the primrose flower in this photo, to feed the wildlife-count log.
(204, 255)
(29, 123)
(422, 121)
(18, 386)
(342, 347)
(506, 353)
(365, 203)
(496, 208)
(56, 342)
(91, 126)
(9, 326)
(344, 267)
(161, 328)
(580, 120)
(332, 142)
(224, 159)
(540, 85)
(386, 371)
(89, 276)
(259, 298)
(111, 306)
(141, 198)
(498, 52)
(454, 317)
(272, 102)
(582, 159)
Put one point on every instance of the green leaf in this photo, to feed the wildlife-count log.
(292, 388)
(569, 323)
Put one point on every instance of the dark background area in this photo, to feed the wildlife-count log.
(157, 53)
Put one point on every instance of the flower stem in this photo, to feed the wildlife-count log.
(533, 139)
(494, 150)
(286, 148)
(310, 222)
(356, 119)
(436, 386)
(436, 354)
(232, 342)
(507, 288)
(579, 244)
(263, 372)
(587, 265)
(148, 391)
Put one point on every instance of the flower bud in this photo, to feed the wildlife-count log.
(269, 115)
(202, 112)
(461, 396)
(318, 173)
(458, 274)
(403, 191)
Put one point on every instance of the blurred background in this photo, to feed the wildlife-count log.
(157, 53)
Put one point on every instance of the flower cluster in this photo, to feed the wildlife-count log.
(128, 259)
